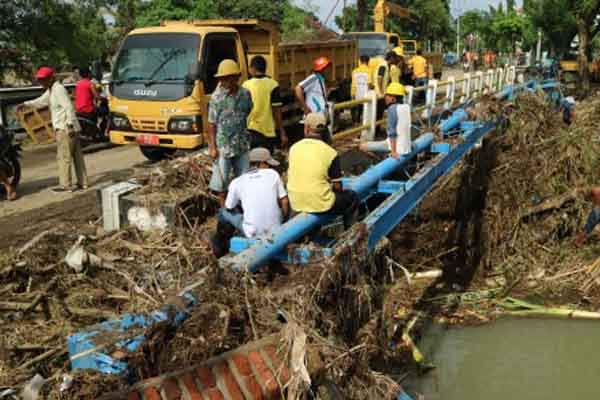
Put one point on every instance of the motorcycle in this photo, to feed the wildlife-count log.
(95, 128)
(10, 152)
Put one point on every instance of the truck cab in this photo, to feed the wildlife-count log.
(161, 82)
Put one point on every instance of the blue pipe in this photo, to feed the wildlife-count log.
(267, 249)
(453, 122)
(369, 179)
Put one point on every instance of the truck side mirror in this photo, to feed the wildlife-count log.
(194, 71)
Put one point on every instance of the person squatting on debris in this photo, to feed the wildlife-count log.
(314, 172)
(593, 218)
(66, 127)
(398, 140)
(567, 107)
(266, 110)
(228, 140)
(312, 91)
(263, 199)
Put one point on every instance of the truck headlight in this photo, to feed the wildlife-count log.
(120, 122)
(185, 124)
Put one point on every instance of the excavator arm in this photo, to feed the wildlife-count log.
(383, 9)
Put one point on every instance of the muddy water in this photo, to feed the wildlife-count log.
(522, 359)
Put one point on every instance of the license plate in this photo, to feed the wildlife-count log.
(148, 140)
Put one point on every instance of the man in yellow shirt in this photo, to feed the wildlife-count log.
(419, 71)
(419, 68)
(266, 110)
(361, 83)
(314, 172)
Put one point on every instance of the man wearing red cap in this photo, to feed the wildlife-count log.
(66, 128)
(312, 91)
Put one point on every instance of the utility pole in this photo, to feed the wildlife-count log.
(458, 36)
(538, 55)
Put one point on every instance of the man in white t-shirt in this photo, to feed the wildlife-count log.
(263, 200)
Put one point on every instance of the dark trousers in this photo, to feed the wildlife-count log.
(346, 203)
(257, 139)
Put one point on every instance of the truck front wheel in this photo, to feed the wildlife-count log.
(156, 154)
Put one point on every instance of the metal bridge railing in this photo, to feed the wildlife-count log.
(457, 92)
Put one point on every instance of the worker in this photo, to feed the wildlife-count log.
(312, 91)
(66, 128)
(228, 142)
(263, 199)
(361, 83)
(567, 107)
(381, 80)
(418, 64)
(398, 140)
(314, 175)
(266, 107)
(593, 218)
(397, 70)
(86, 96)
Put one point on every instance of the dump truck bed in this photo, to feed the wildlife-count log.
(289, 63)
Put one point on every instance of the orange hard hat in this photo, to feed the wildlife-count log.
(321, 63)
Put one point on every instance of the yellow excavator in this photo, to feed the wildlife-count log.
(375, 44)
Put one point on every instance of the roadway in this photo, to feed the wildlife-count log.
(39, 208)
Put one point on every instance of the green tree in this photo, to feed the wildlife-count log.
(53, 32)
(557, 23)
(585, 12)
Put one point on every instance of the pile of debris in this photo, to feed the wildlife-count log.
(67, 279)
(504, 223)
(60, 282)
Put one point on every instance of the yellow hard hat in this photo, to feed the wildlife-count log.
(395, 89)
(228, 68)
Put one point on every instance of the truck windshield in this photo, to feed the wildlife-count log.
(156, 57)
(372, 45)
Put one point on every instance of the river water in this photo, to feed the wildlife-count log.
(521, 359)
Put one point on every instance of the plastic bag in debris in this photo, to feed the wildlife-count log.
(31, 391)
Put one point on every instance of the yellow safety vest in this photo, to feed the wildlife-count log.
(308, 185)
(380, 90)
(261, 117)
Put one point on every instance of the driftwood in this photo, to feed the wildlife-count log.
(553, 203)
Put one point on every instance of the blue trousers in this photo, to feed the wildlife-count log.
(592, 221)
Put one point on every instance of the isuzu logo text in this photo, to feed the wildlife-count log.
(145, 92)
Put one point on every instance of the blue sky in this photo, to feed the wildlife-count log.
(325, 7)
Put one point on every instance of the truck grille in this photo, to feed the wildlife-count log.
(149, 125)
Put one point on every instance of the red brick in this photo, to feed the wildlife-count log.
(242, 365)
(192, 388)
(206, 377)
(134, 396)
(231, 384)
(152, 394)
(213, 394)
(171, 389)
(253, 388)
(264, 373)
(280, 367)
